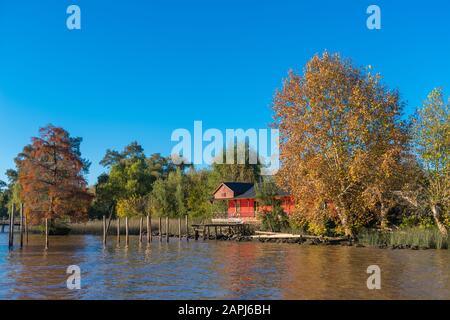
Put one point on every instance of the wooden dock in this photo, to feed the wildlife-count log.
(266, 235)
(5, 222)
(221, 227)
(274, 235)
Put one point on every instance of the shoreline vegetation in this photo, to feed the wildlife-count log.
(354, 165)
(414, 238)
(410, 238)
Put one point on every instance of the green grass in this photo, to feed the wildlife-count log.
(412, 237)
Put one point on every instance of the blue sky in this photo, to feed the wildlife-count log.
(140, 69)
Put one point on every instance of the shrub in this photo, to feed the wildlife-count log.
(274, 220)
(423, 222)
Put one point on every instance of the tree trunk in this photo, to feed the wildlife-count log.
(118, 232)
(167, 229)
(104, 231)
(436, 210)
(187, 228)
(149, 229)
(111, 211)
(384, 219)
(140, 230)
(46, 234)
(21, 225)
(159, 230)
(344, 222)
(127, 239)
(26, 227)
(11, 227)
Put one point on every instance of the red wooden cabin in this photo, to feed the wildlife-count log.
(242, 203)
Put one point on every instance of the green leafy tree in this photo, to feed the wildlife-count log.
(199, 194)
(169, 196)
(9, 192)
(104, 200)
(133, 206)
(12, 192)
(129, 181)
(3, 200)
(237, 172)
(160, 166)
(431, 132)
(160, 199)
(272, 215)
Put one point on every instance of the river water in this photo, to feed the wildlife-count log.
(217, 270)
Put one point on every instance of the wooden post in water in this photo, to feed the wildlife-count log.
(104, 231)
(118, 232)
(215, 232)
(149, 229)
(208, 233)
(46, 233)
(187, 228)
(141, 221)
(204, 232)
(111, 212)
(11, 227)
(179, 228)
(26, 228)
(160, 230)
(167, 229)
(127, 240)
(21, 225)
(196, 234)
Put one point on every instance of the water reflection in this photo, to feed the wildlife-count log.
(217, 270)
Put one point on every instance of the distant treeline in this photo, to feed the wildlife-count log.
(50, 180)
(139, 185)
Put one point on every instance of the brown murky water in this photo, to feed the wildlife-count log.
(218, 270)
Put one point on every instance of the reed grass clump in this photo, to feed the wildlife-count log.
(95, 227)
(414, 237)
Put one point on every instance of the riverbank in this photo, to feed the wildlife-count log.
(414, 238)
(406, 238)
(410, 238)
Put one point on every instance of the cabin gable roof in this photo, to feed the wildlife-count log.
(251, 193)
(236, 188)
(243, 190)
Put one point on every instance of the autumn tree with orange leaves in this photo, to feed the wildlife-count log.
(51, 176)
(342, 144)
